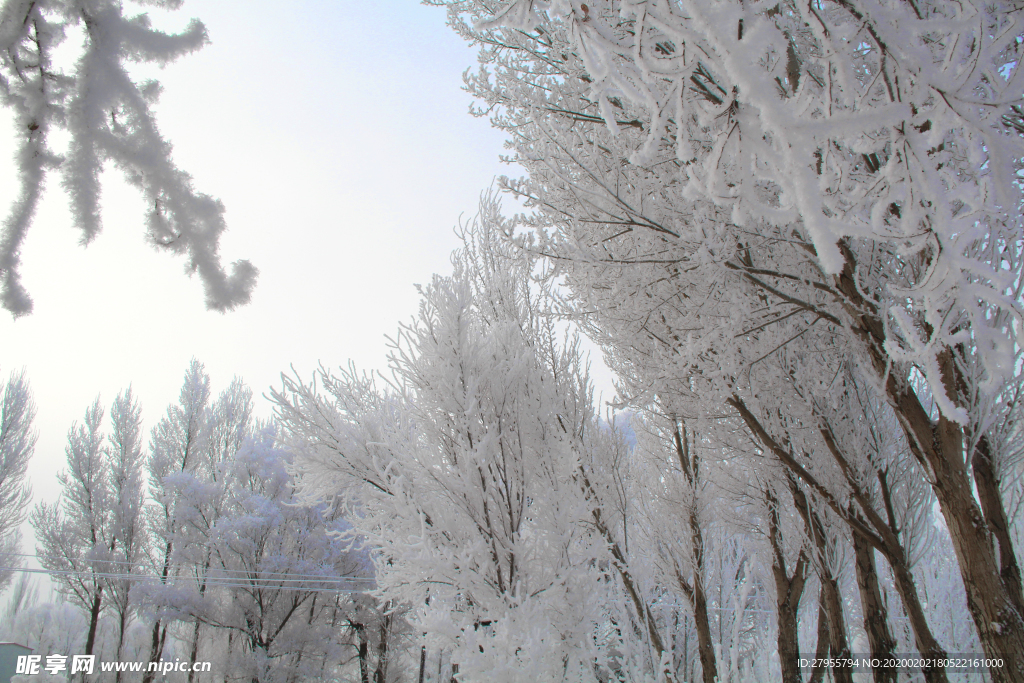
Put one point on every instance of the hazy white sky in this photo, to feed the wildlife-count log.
(337, 135)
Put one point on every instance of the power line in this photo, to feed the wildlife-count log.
(243, 573)
(218, 582)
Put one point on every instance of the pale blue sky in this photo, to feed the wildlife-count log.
(337, 135)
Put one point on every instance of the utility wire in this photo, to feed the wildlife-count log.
(220, 582)
(243, 573)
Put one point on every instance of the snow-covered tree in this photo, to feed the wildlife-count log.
(471, 478)
(177, 446)
(719, 181)
(281, 563)
(240, 571)
(202, 494)
(75, 533)
(17, 442)
(676, 491)
(51, 628)
(108, 116)
(92, 538)
(24, 595)
(790, 573)
(127, 499)
(868, 481)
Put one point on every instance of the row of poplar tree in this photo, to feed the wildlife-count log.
(509, 532)
(193, 548)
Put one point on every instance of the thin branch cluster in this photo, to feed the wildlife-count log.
(108, 116)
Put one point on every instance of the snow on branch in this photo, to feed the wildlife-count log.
(844, 126)
(109, 118)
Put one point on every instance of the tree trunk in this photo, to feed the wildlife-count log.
(788, 640)
(364, 654)
(831, 600)
(923, 639)
(195, 632)
(154, 652)
(122, 619)
(380, 674)
(839, 647)
(227, 655)
(157, 647)
(690, 465)
(876, 620)
(194, 653)
(893, 551)
(309, 625)
(884, 535)
(622, 567)
(423, 662)
(821, 651)
(1000, 626)
(94, 620)
(995, 516)
(704, 642)
(788, 591)
(939, 447)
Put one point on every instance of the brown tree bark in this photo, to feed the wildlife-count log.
(876, 620)
(380, 673)
(938, 446)
(838, 645)
(926, 643)
(882, 534)
(690, 465)
(821, 651)
(890, 547)
(831, 599)
(705, 644)
(788, 591)
(995, 516)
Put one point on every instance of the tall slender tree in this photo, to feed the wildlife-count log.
(17, 443)
(177, 447)
(472, 479)
(76, 533)
(130, 539)
(202, 500)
